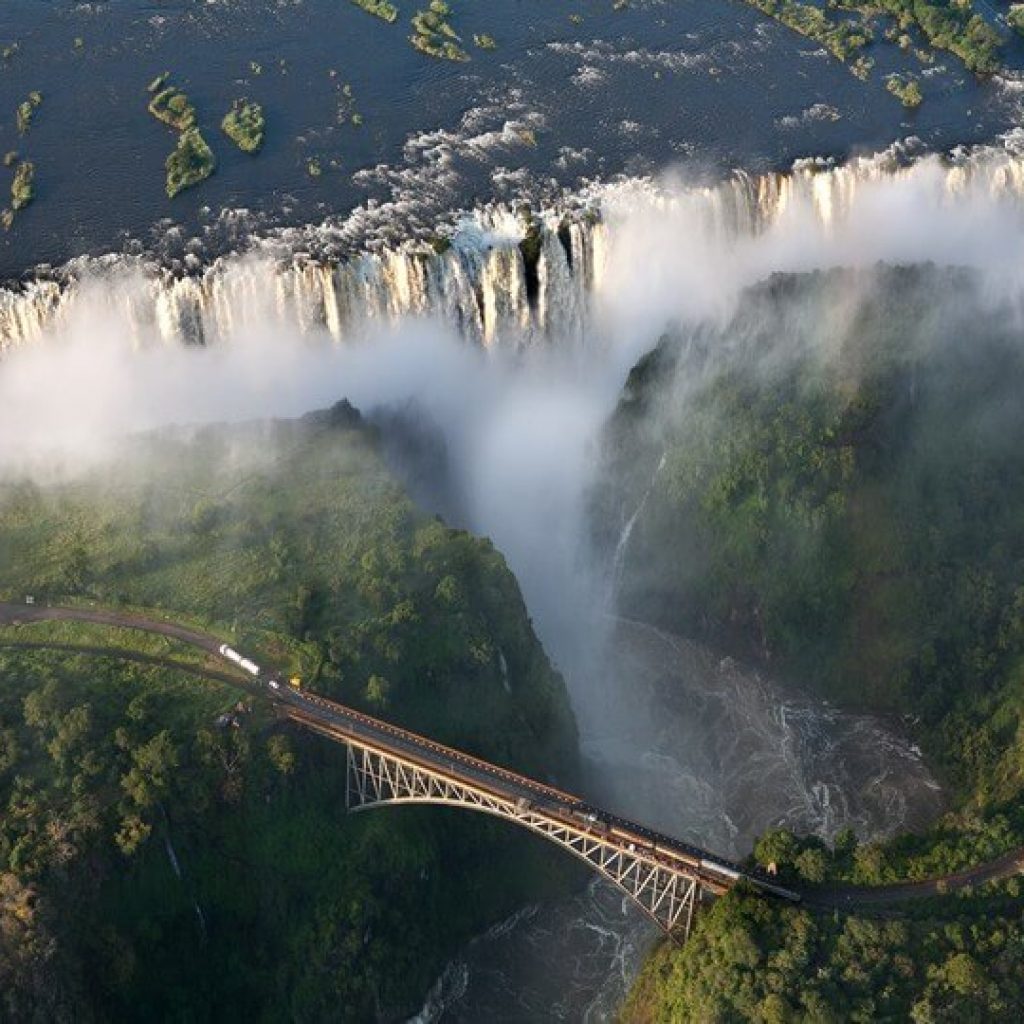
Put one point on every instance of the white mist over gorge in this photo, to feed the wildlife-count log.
(512, 345)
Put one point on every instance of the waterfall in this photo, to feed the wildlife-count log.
(619, 558)
(476, 281)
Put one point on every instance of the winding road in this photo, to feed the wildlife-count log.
(846, 898)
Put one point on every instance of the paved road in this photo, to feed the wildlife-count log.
(851, 897)
(343, 722)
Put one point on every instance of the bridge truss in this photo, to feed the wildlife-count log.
(666, 893)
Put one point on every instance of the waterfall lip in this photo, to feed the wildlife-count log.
(337, 240)
(482, 268)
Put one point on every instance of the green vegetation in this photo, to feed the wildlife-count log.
(905, 89)
(172, 106)
(244, 124)
(26, 111)
(753, 960)
(314, 168)
(840, 498)
(843, 39)
(22, 187)
(953, 26)
(379, 8)
(950, 25)
(191, 162)
(483, 41)
(158, 83)
(434, 35)
(1015, 18)
(347, 107)
(292, 541)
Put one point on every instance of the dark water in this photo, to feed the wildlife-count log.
(711, 83)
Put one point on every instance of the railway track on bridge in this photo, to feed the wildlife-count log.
(391, 765)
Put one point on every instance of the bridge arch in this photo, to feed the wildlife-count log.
(666, 893)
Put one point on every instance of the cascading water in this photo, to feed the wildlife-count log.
(479, 281)
(622, 545)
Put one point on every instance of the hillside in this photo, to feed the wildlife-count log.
(157, 862)
(835, 489)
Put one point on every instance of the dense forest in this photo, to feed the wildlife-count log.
(168, 849)
(835, 490)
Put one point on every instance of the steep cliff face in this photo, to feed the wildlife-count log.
(839, 496)
(291, 540)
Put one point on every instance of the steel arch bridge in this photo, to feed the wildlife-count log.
(388, 765)
(664, 877)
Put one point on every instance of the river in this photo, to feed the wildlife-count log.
(574, 93)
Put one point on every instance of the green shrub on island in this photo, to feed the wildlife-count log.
(843, 39)
(905, 89)
(172, 106)
(22, 191)
(191, 162)
(434, 35)
(26, 111)
(484, 42)
(244, 124)
(953, 26)
(1015, 18)
(379, 8)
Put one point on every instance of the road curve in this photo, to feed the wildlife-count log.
(853, 897)
(307, 708)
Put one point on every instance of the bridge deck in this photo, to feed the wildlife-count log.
(342, 722)
(348, 725)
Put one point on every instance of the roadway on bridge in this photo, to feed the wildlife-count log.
(300, 707)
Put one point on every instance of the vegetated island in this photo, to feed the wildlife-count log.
(379, 8)
(26, 111)
(1015, 18)
(22, 189)
(845, 507)
(953, 26)
(433, 34)
(905, 89)
(167, 843)
(173, 107)
(191, 162)
(244, 124)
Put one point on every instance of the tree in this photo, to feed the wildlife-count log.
(280, 753)
(378, 692)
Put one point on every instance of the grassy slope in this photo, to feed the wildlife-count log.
(293, 540)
